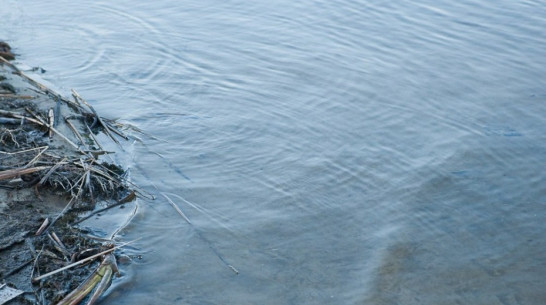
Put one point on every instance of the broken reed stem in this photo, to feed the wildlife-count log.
(22, 151)
(106, 127)
(74, 130)
(35, 264)
(92, 257)
(93, 137)
(19, 116)
(99, 280)
(59, 247)
(56, 131)
(116, 131)
(12, 173)
(6, 62)
(177, 208)
(36, 158)
(202, 237)
(25, 97)
(58, 240)
(128, 198)
(42, 227)
(69, 204)
(54, 168)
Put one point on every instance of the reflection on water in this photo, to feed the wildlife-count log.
(332, 152)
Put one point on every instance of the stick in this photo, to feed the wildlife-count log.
(58, 246)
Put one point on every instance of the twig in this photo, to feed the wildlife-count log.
(25, 97)
(6, 62)
(59, 247)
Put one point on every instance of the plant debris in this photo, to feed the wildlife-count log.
(51, 174)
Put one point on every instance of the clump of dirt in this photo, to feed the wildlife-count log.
(5, 51)
(51, 173)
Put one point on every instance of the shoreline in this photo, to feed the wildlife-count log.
(53, 175)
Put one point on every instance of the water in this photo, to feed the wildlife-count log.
(333, 152)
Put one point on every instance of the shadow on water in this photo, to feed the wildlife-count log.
(471, 235)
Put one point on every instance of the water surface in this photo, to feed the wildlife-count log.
(332, 152)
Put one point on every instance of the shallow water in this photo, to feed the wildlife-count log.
(332, 152)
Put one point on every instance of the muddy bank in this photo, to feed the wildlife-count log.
(53, 172)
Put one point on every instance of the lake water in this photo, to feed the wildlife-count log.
(332, 152)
